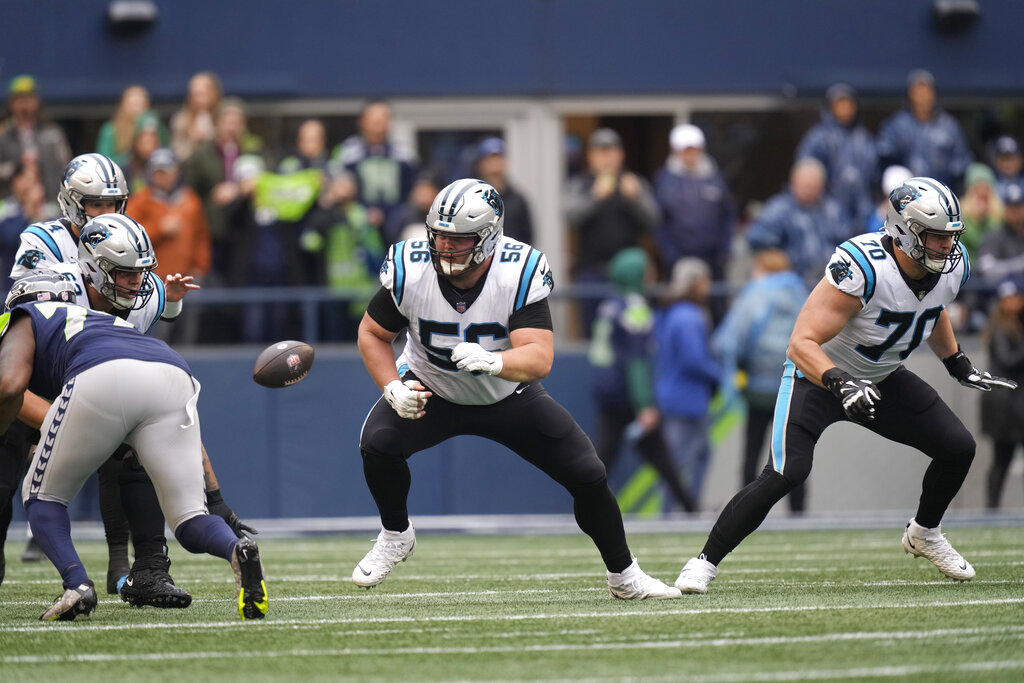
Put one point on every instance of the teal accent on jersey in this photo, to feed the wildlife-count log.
(865, 266)
(50, 243)
(782, 416)
(399, 289)
(967, 264)
(525, 278)
(161, 295)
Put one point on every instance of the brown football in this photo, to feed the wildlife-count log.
(283, 364)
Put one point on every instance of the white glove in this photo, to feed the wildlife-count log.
(408, 399)
(476, 359)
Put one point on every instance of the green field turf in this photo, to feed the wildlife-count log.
(787, 606)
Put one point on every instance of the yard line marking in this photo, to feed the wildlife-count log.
(503, 649)
(62, 627)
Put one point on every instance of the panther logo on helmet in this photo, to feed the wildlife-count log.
(903, 195)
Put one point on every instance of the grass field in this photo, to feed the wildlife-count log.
(787, 606)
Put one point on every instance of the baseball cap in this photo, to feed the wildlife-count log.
(160, 159)
(893, 176)
(1011, 286)
(1006, 145)
(490, 146)
(920, 76)
(1013, 195)
(604, 137)
(22, 85)
(686, 135)
(838, 91)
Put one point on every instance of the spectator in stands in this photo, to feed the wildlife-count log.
(1006, 161)
(923, 137)
(1001, 254)
(802, 221)
(621, 349)
(210, 172)
(384, 169)
(491, 166)
(117, 134)
(892, 177)
(350, 252)
(173, 217)
(608, 209)
(981, 208)
(1002, 412)
(25, 205)
(686, 374)
(846, 148)
(310, 148)
(697, 212)
(407, 222)
(751, 345)
(195, 122)
(145, 141)
(31, 139)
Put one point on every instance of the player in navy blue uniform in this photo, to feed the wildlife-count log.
(480, 339)
(100, 372)
(881, 297)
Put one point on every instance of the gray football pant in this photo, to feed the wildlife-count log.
(151, 407)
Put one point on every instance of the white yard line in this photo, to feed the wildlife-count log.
(64, 628)
(947, 635)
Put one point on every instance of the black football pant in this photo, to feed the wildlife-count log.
(530, 423)
(910, 412)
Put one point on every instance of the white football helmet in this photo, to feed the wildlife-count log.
(90, 176)
(919, 206)
(466, 207)
(113, 243)
(40, 285)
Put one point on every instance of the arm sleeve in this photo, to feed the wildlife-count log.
(385, 313)
(536, 315)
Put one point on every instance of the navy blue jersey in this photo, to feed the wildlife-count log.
(622, 333)
(71, 339)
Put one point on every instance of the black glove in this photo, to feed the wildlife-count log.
(858, 396)
(960, 367)
(216, 505)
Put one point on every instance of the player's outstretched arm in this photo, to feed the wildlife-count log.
(177, 286)
(825, 313)
(215, 500)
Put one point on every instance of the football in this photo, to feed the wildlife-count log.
(283, 364)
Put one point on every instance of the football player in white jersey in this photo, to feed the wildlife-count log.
(480, 339)
(881, 297)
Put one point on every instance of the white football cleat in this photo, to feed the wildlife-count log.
(932, 544)
(633, 584)
(696, 575)
(390, 548)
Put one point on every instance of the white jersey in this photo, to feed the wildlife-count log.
(44, 244)
(518, 276)
(143, 318)
(893, 321)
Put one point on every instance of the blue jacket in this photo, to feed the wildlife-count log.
(936, 149)
(851, 161)
(686, 374)
(808, 234)
(697, 213)
(755, 332)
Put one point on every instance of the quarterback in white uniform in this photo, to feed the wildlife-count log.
(479, 340)
(883, 294)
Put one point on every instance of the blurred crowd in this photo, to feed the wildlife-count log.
(219, 206)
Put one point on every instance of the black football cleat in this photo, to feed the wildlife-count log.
(253, 602)
(148, 583)
(75, 601)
